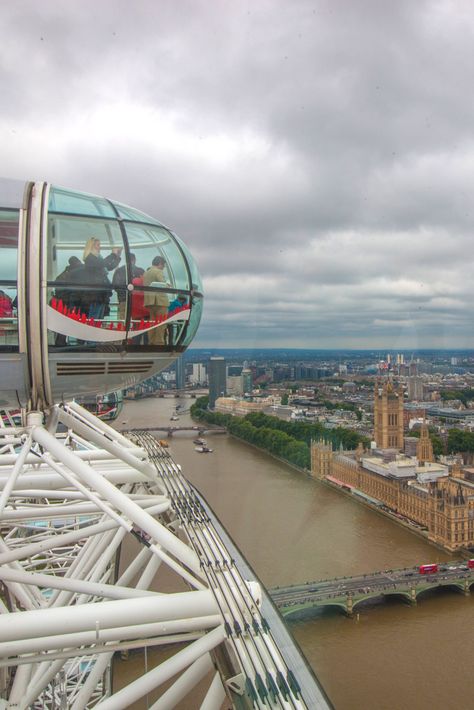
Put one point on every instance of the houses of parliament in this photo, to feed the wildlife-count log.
(435, 497)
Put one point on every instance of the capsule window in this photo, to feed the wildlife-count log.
(195, 276)
(148, 242)
(8, 280)
(157, 317)
(8, 245)
(194, 320)
(71, 238)
(61, 200)
(86, 265)
(133, 215)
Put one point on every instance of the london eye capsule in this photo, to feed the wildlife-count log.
(95, 296)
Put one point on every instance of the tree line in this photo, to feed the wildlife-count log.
(291, 440)
(465, 396)
(287, 440)
(460, 441)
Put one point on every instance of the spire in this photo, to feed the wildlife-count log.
(424, 447)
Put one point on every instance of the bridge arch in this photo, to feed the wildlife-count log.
(452, 585)
(403, 595)
(307, 609)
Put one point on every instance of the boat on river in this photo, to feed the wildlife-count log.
(203, 450)
(200, 442)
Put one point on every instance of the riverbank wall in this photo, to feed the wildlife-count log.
(423, 534)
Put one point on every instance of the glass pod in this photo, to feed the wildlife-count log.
(95, 296)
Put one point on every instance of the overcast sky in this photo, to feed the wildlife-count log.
(317, 157)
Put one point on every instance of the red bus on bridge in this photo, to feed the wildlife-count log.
(428, 569)
(470, 564)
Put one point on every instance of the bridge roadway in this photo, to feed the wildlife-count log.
(347, 593)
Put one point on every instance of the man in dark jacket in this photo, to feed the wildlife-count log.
(120, 280)
(95, 274)
(66, 278)
(68, 296)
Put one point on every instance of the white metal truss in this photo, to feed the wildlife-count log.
(72, 490)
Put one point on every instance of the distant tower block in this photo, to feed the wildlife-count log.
(180, 372)
(424, 447)
(217, 379)
(415, 388)
(388, 416)
(247, 384)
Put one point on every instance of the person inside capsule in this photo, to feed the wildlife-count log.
(156, 302)
(96, 303)
(119, 282)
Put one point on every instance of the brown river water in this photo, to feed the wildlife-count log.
(292, 529)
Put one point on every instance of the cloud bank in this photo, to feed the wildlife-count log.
(316, 157)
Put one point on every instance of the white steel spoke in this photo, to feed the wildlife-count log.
(68, 503)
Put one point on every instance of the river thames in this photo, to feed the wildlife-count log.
(293, 529)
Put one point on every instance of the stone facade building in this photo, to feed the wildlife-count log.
(240, 407)
(428, 494)
(388, 416)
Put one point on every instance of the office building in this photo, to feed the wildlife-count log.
(199, 374)
(247, 381)
(217, 379)
(180, 373)
(415, 389)
(234, 384)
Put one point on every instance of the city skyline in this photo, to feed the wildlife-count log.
(314, 156)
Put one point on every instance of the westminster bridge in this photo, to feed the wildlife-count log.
(347, 593)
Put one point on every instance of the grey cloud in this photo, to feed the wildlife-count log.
(316, 157)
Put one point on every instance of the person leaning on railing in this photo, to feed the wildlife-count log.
(156, 302)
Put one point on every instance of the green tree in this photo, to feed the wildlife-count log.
(287, 440)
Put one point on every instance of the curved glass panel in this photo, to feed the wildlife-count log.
(194, 320)
(158, 318)
(8, 245)
(8, 280)
(71, 237)
(73, 202)
(113, 285)
(150, 242)
(106, 406)
(195, 276)
(133, 215)
(8, 318)
(83, 317)
(83, 256)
